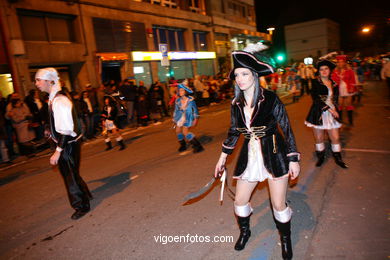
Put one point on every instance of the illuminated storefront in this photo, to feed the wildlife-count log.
(180, 64)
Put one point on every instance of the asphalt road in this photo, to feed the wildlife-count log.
(138, 197)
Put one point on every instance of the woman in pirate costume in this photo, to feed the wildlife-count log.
(323, 114)
(267, 153)
(109, 117)
(186, 116)
(66, 133)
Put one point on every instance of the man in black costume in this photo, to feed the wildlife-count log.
(66, 133)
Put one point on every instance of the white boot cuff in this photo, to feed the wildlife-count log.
(243, 211)
(336, 148)
(284, 215)
(320, 147)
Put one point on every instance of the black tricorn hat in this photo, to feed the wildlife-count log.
(328, 63)
(254, 59)
(324, 61)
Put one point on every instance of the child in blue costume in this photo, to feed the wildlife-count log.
(186, 116)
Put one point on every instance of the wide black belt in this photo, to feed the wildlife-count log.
(257, 131)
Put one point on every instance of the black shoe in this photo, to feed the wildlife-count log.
(339, 161)
(79, 213)
(122, 145)
(197, 147)
(285, 239)
(109, 145)
(183, 146)
(321, 158)
(245, 233)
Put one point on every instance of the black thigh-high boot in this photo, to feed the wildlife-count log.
(122, 145)
(183, 146)
(285, 239)
(109, 145)
(197, 147)
(338, 160)
(320, 157)
(283, 223)
(245, 232)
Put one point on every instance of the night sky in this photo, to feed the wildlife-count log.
(351, 16)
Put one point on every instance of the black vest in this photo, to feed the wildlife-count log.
(76, 123)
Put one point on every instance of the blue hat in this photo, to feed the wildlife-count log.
(185, 88)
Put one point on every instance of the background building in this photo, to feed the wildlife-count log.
(313, 38)
(95, 41)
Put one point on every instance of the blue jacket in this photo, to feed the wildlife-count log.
(190, 112)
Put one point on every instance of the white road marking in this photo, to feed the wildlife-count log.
(134, 177)
(366, 150)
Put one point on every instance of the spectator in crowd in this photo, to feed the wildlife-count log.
(87, 114)
(142, 104)
(385, 72)
(199, 88)
(156, 97)
(34, 103)
(21, 117)
(3, 133)
(128, 93)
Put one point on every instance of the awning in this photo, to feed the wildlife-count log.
(110, 56)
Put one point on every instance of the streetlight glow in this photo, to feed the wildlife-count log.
(271, 30)
(366, 30)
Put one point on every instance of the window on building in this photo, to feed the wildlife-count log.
(237, 9)
(174, 37)
(166, 3)
(119, 36)
(50, 27)
(194, 6)
(222, 6)
(200, 41)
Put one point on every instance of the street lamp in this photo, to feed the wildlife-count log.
(271, 30)
(366, 30)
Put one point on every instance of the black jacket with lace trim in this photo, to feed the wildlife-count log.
(271, 124)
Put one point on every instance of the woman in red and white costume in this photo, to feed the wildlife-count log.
(344, 77)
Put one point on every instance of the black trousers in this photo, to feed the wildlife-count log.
(304, 86)
(69, 165)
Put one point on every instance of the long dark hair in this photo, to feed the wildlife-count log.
(239, 94)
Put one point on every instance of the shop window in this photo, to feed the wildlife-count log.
(182, 69)
(40, 26)
(6, 85)
(173, 36)
(200, 41)
(164, 73)
(142, 72)
(205, 67)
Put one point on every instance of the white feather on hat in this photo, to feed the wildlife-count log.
(328, 55)
(253, 48)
